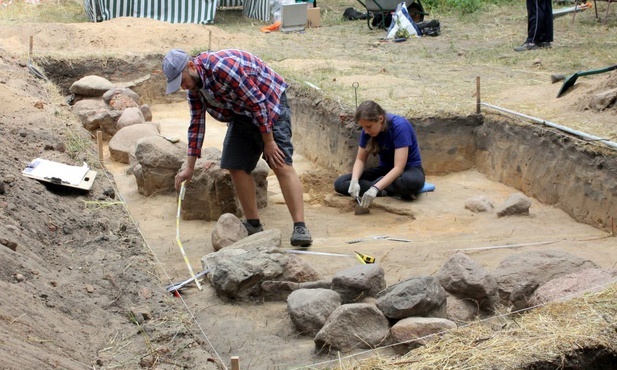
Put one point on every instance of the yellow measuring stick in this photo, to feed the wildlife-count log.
(186, 260)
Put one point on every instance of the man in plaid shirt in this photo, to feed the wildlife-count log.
(236, 87)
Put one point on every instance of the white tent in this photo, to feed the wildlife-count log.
(173, 11)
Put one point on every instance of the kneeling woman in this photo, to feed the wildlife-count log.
(399, 172)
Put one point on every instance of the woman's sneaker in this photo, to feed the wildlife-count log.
(301, 237)
(252, 229)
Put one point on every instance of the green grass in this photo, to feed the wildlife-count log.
(59, 11)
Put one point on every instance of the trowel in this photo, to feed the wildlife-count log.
(359, 209)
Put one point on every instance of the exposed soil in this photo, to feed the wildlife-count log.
(83, 277)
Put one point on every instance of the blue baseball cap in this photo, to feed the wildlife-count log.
(174, 63)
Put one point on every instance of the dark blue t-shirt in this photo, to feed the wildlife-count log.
(399, 134)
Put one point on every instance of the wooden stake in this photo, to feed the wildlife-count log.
(235, 363)
(99, 141)
(477, 94)
(30, 47)
(209, 40)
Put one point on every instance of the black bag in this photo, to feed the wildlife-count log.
(352, 14)
(430, 28)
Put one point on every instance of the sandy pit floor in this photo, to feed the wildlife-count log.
(436, 225)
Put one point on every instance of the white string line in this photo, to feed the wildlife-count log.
(500, 316)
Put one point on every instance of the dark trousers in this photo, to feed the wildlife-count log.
(539, 21)
(409, 183)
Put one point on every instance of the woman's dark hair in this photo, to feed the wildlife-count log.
(368, 110)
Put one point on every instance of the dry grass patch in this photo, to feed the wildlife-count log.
(550, 334)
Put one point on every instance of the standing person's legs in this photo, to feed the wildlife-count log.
(242, 148)
(532, 21)
(545, 22)
(291, 187)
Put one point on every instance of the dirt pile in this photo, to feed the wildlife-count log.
(79, 287)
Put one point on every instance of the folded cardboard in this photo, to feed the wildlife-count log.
(313, 17)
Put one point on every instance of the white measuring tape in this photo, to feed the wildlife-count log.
(186, 260)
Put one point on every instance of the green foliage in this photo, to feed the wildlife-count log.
(460, 6)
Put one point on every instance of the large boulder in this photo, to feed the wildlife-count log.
(519, 275)
(352, 326)
(358, 282)
(310, 308)
(122, 145)
(91, 86)
(465, 278)
(158, 162)
(237, 274)
(571, 285)
(211, 193)
(416, 296)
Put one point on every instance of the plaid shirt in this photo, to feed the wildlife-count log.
(234, 82)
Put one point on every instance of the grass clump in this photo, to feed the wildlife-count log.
(59, 11)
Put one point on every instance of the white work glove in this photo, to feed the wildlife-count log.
(354, 189)
(368, 197)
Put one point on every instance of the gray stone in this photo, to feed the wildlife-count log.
(227, 230)
(571, 285)
(413, 332)
(158, 162)
(465, 278)
(238, 274)
(416, 296)
(124, 142)
(519, 275)
(310, 308)
(479, 203)
(130, 116)
(91, 86)
(516, 204)
(352, 326)
(358, 282)
(120, 98)
(461, 309)
(211, 193)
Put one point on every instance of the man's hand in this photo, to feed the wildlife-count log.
(354, 188)
(273, 155)
(368, 197)
(184, 175)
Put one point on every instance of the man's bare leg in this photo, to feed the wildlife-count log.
(291, 187)
(245, 191)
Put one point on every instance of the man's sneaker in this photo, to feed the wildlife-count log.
(526, 46)
(301, 237)
(253, 229)
(545, 45)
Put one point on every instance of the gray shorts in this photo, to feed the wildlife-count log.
(244, 145)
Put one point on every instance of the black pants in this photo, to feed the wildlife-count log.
(539, 21)
(409, 183)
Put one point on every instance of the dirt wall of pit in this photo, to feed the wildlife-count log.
(549, 165)
(553, 167)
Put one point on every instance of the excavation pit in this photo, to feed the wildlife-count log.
(571, 182)
(465, 155)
